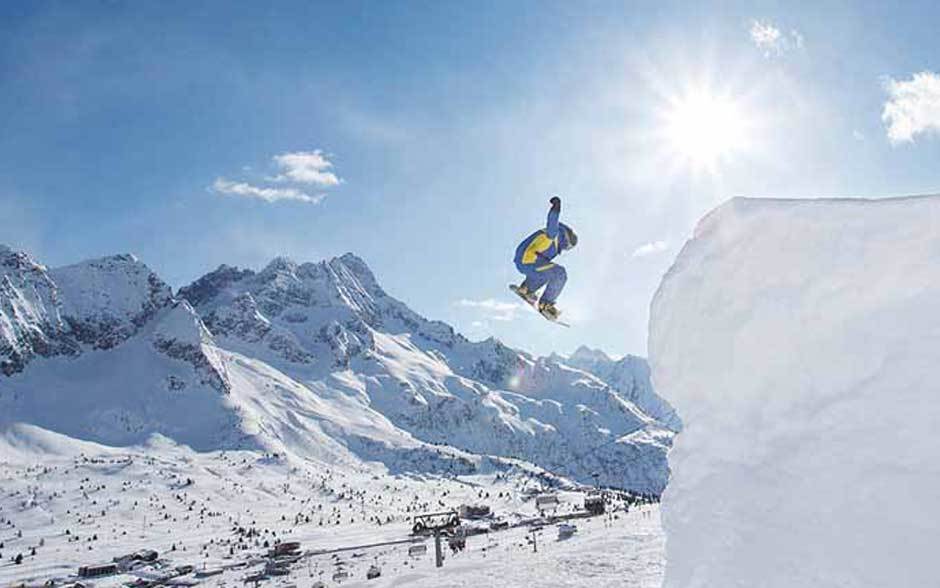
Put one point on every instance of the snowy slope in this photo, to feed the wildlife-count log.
(630, 376)
(149, 384)
(67, 503)
(800, 342)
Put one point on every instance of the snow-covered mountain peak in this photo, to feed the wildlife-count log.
(313, 291)
(585, 353)
(304, 311)
(278, 266)
(347, 270)
(107, 300)
(354, 264)
(297, 312)
(12, 260)
(212, 284)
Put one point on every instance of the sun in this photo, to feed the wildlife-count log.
(705, 129)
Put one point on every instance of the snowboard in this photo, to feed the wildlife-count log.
(535, 305)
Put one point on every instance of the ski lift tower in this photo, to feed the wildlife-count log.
(436, 523)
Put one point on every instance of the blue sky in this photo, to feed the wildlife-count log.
(428, 136)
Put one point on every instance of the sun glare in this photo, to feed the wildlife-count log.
(705, 129)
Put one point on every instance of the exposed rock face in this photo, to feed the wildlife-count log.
(241, 318)
(181, 335)
(497, 364)
(211, 284)
(346, 342)
(31, 322)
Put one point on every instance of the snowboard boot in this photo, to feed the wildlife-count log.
(530, 296)
(549, 310)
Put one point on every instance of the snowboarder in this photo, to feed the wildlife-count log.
(534, 259)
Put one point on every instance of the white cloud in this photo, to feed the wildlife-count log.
(306, 167)
(493, 309)
(296, 170)
(245, 190)
(772, 41)
(650, 248)
(913, 107)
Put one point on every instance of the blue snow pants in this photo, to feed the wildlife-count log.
(550, 275)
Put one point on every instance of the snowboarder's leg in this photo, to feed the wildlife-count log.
(555, 276)
(534, 280)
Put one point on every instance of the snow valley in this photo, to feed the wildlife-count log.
(284, 402)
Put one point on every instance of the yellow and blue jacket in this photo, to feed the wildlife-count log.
(539, 249)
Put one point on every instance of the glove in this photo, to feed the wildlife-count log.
(556, 203)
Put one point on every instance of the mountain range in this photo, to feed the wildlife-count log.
(316, 360)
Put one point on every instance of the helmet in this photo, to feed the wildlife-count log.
(571, 239)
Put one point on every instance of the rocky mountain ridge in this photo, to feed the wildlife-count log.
(313, 358)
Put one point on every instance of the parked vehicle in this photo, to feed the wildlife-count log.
(475, 511)
(566, 530)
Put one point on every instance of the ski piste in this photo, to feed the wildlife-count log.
(515, 289)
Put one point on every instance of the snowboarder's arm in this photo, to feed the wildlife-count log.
(551, 227)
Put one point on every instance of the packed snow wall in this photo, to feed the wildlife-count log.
(800, 343)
